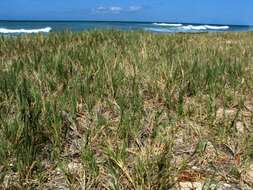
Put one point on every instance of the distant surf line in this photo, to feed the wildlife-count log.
(193, 27)
(28, 31)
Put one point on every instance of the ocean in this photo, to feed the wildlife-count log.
(22, 27)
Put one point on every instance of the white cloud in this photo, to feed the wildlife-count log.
(112, 9)
(134, 8)
(116, 9)
(101, 8)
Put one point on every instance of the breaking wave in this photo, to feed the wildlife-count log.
(169, 28)
(28, 31)
(162, 30)
(205, 27)
(166, 24)
(192, 27)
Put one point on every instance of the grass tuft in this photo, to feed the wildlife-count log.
(125, 110)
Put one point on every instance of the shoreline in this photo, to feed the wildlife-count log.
(159, 27)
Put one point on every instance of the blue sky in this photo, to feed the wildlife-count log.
(199, 11)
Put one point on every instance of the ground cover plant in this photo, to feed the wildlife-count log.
(126, 110)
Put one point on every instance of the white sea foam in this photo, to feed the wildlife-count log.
(191, 27)
(166, 24)
(185, 28)
(158, 30)
(217, 27)
(204, 27)
(28, 31)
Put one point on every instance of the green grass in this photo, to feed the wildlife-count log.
(131, 110)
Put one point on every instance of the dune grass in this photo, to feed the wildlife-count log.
(125, 110)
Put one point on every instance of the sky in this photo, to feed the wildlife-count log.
(187, 11)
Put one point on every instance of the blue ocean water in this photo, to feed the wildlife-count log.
(20, 27)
